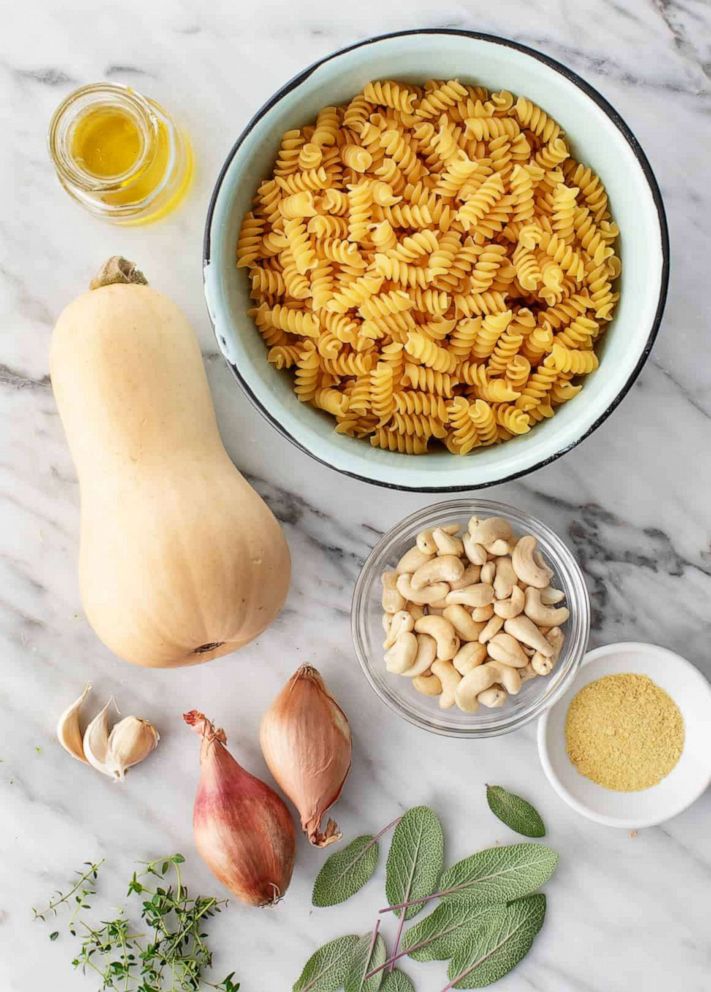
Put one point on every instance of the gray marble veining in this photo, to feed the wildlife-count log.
(624, 913)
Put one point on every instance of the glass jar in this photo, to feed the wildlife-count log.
(536, 695)
(119, 154)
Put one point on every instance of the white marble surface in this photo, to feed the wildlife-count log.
(624, 913)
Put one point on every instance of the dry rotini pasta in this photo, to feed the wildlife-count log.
(432, 265)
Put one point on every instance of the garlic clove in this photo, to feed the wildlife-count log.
(69, 730)
(130, 741)
(96, 741)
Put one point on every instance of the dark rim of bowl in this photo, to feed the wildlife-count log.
(616, 119)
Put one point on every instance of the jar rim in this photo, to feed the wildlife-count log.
(119, 94)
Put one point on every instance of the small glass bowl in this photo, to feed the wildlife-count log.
(397, 692)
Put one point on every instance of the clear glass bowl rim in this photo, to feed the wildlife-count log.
(568, 573)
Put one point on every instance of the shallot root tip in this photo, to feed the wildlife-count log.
(331, 834)
(201, 725)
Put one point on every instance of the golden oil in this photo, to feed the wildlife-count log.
(119, 154)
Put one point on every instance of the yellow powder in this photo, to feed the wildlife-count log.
(624, 732)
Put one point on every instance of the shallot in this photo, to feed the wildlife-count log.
(243, 830)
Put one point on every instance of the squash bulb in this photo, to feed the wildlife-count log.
(180, 559)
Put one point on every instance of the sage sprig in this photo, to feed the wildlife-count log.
(515, 812)
(498, 944)
(487, 918)
(326, 969)
(346, 872)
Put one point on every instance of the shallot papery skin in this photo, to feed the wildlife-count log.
(243, 830)
(306, 742)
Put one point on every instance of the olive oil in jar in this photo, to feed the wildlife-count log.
(120, 154)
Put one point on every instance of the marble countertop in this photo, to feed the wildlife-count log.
(633, 500)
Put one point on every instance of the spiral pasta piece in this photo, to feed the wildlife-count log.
(390, 94)
(441, 98)
(464, 435)
(406, 444)
(428, 353)
(572, 360)
(482, 417)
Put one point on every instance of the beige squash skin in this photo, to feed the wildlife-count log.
(177, 550)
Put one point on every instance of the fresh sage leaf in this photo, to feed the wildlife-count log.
(499, 874)
(415, 859)
(439, 935)
(499, 944)
(365, 956)
(397, 981)
(346, 871)
(326, 969)
(515, 812)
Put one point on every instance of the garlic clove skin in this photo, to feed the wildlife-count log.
(68, 727)
(131, 740)
(96, 741)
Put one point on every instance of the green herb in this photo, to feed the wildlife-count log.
(415, 860)
(439, 935)
(515, 812)
(498, 945)
(326, 969)
(499, 874)
(173, 950)
(78, 896)
(38, 749)
(397, 981)
(347, 871)
(485, 923)
(367, 956)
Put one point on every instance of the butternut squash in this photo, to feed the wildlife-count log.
(180, 560)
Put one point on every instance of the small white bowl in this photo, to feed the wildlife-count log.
(599, 138)
(687, 780)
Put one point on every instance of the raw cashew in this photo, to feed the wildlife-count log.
(423, 597)
(461, 620)
(425, 543)
(499, 548)
(528, 566)
(507, 650)
(392, 600)
(476, 553)
(450, 679)
(482, 678)
(543, 616)
(492, 627)
(542, 665)
(447, 544)
(480, 594)
(551, 596)
(525, 630)
(505, 579)
(402, 654)
(446, 568)
(483, 613)
(469, 656)
(511, 607)
(399, 622)
(411, 561)
(488, 572)
(528, 672)
(438, 607)
(488, 531)
(428, 685)
(426, 654)
(443, 633)
(493, 697)
(470, 576)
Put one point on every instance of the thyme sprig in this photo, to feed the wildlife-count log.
(170, 956)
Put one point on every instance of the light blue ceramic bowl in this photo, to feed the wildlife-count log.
(599, 137)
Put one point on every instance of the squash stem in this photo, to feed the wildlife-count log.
(118, 270)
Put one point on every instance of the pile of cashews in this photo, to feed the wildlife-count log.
(471, 617)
